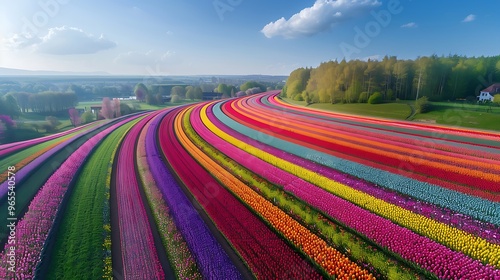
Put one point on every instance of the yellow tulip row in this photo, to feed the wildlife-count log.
(453, 238)
(334, 262)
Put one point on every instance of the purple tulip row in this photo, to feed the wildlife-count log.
(180, 257)
(34, 228)
(430, 255)
(12, 147)
(212, 261)
(139, 255)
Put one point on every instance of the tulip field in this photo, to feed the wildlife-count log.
(251, 188)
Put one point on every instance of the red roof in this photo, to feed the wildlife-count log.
(494, 88)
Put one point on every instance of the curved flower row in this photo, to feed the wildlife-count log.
(327, 140)
(327, 257)
(473, 206)
(177, 249)
(485, 230)
(345, 211)
(31, 162)
(454, 238)
(265, 253)
(213, 262)
(139, 256)
(33, 229)
(6, 149)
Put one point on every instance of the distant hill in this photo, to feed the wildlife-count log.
(22, 72)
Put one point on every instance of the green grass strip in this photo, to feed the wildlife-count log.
(80, 248)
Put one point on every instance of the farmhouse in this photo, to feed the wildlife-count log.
(488, 93)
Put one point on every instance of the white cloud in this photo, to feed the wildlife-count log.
(322, 16)
(61, 41)
(469, 18)
(143, 58)
(21, 41)
(69, 40)
(409, 25)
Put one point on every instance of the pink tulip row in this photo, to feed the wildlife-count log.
(139, 255)
(419, 250)
(17, 146)
(34, 228)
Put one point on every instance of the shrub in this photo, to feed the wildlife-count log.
(363, 97)
(298, 97)
(376, 98)
(87, 117)
(422, 105)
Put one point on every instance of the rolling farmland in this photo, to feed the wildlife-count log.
(252, 188)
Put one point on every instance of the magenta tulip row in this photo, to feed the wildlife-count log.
(139, 255)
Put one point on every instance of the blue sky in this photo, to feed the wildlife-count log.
(191, 37)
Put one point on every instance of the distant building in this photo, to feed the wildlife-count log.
(488, 93)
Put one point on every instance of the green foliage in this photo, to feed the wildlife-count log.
(10, 106)
(151, 99)
(52, 102)
(422, 105)
(198, 93)
(140, 91)
(496, 97)
(439, 78)
(298, 97)
(376, 98)
(252, 84)
(88, 117)
(297, 82)
(175, 99)
(125, 109)
(179, 91)
(159, 99)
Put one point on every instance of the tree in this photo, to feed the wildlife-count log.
(252, 84)
(140, 91)
(190, 92)
(87, 117)
(106, 108)
(179, 91)
(11, 107)
(125, 109)
(198, 93)
(376, 98)
(115, 106)
(422, 105)
(150, 99)
(23, 100)
(74, 117)
(175, 99)
(159, 99)
(496, 98)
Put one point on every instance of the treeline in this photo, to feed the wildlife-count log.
(45, 102)
(438, 78)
